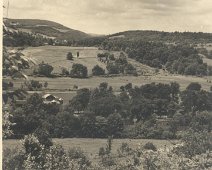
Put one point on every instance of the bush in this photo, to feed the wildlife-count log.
(78, 154)
(195, 143)
(124, 149)
(12, 159)
(108, 161)
(56, 158)
(34, 85)
(69, 56)
(112, 69)
(102, 151)
(79, 71)
(150, 146)
(44, 69)
(97, 70)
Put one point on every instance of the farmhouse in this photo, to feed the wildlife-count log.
(51, 99)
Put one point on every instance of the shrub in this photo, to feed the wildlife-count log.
(56, 158)
(12, 159)
(108, 161)
(102, 151)
(97, 70)
(195, 143)
(112, 69)
(44, 69)
(78, 154)
(69, 56)
(79, 71)
(33, 85)
(150, 146)
(124, 149)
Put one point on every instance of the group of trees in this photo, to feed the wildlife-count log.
(17, 39)
(99, 112)
(117, 65)
(181, 59)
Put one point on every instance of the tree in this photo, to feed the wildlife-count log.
(69, 56)
(194, 86)
(81, 100)
(45, 84)
(97, 70)
(44, 69)
(130, 69)
(112, 68)
(79, 71)
(115, 124)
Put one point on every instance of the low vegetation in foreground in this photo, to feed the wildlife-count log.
(37, 151)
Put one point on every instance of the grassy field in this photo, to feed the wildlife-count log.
(56, 56)
(91, 146)
(63, 86)
(66, 83)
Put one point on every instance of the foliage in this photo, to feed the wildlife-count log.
(78, 154)
(33, 85)
(195, 143)
(150, 146)
(7, 125)
(181, 59)
(196, 99)
(18, 39)
(97, 70)
(69, 56)
(79, 71)
(44, 69)
(115, 124)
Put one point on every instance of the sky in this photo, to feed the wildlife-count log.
(111, 16)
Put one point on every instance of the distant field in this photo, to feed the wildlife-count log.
(56, 56)
(66, 83)
(91, 146)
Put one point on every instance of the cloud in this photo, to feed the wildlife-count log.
(109, 16)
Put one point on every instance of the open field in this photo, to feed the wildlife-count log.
(91, 146)
(66, 83)
(56, 56)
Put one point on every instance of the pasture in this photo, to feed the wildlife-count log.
(56, 56)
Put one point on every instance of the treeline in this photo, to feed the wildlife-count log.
(136, 112)
(18, 39)
(168, 37)
(151, 36)
(180, 59)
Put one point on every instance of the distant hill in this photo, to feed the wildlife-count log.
(168, 37)
(45, 28)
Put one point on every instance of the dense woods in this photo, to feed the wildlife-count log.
(99, 112)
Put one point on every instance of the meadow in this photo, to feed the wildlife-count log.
(91, 146)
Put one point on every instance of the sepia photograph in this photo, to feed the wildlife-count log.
(106, 85)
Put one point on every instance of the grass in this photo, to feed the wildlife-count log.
(56, 56)
(91, 146)
(66, 83)
(63, 86)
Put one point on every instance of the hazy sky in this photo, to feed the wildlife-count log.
(110, 16)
